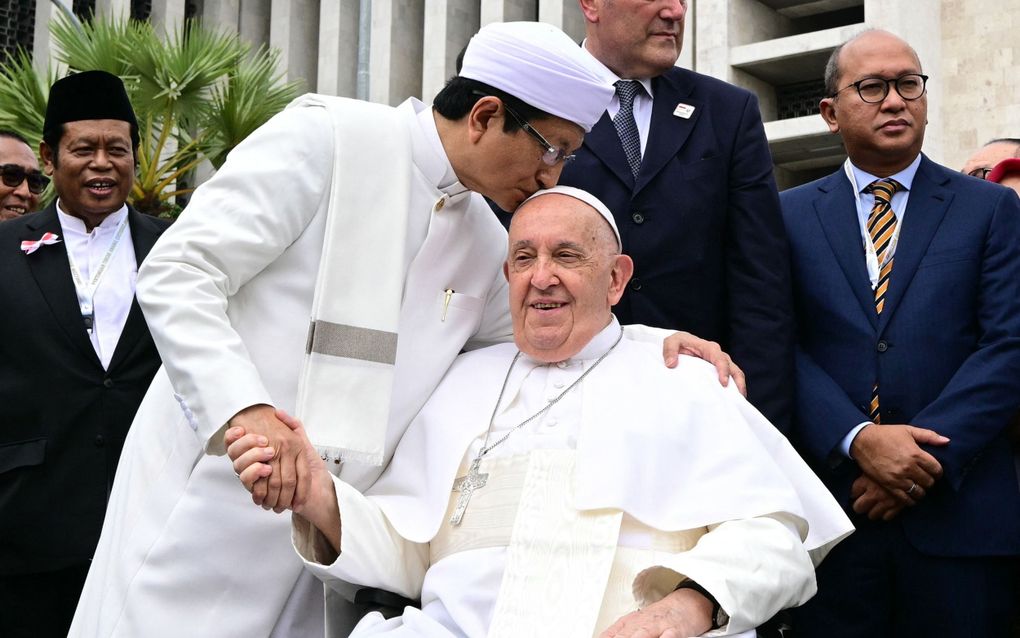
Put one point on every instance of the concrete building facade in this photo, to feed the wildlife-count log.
(387, 50)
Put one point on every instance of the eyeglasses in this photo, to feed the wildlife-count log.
(875, 90)
(14, 174)
(980, 173)
(552, 155)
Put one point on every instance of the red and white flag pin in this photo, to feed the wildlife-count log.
(683, 110)
(47, 239)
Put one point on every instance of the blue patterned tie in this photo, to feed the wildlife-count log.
(626, 128)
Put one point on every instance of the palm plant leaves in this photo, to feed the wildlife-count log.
(252, 94)
(23, 98)
(196, 93)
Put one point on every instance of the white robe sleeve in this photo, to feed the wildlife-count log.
(753, 568)
(496, 326)
(372, 553)
(240, 221)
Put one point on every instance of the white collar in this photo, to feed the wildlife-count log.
(438, 170)
(72, 224)
(612, 77)
(594, 349)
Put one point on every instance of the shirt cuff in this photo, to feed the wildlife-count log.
(844, 445)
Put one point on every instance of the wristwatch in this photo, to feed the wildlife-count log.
(719, 617)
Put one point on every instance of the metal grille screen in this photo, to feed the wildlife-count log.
(797, 100)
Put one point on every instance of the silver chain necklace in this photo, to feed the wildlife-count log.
(474, 480)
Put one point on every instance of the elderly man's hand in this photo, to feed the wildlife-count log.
(275, 491)
(892, 457)
(681, 614)
(685, 343)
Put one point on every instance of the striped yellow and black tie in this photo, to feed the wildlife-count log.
(881, 227)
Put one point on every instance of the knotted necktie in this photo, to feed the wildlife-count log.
(881, 227)
(625, 125)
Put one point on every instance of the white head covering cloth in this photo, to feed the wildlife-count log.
(542, 66)
(585, 197)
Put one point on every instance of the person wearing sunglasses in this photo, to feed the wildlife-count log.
(905, 282)
(76, 357)
(22, 181)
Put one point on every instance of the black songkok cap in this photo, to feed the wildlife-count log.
(89, 95)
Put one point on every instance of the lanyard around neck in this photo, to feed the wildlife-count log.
(870, 255)
(86, 292)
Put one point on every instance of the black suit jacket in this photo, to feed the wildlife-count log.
(63, 419)
(703, 225)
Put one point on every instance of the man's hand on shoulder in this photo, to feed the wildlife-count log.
(892, 457)
(681, 614)
(275, 491)
(680, 343)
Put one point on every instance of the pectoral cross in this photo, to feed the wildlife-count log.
(467, 485)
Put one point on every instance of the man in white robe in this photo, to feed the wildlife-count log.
(594, 491)
(367, 220)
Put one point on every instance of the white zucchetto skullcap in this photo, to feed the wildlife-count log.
(585, 197)
(542, 66)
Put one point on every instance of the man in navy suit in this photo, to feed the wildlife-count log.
(907, 291)
(75, 355)
(695, 200)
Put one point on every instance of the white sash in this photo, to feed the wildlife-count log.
(347, 376)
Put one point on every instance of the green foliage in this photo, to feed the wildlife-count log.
(196, 93)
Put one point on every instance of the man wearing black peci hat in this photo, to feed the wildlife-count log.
(76, 357)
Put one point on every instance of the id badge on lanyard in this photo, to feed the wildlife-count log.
(86, 292)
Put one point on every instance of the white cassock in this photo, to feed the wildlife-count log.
(227, 294)
(638, 477)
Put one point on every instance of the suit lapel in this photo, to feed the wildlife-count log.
(666, 132)
(52, 273)
(926, 207)
(837, 213)
(604, 143)
(144, 234)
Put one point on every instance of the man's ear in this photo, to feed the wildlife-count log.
(623, 270)
(827, 107)
(46, 153)
(590, 9)
(506, 271)
(482, 117)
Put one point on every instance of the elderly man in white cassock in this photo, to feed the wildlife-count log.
(569, 484)
(334, 267)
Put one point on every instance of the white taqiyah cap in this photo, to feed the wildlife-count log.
(585, 197)
(541, 65)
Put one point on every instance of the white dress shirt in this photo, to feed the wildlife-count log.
(115, 291)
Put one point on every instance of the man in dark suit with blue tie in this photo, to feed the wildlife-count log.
(907, 291)
(682, 161)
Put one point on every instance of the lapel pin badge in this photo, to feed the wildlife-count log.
(683, 110)
(47, 239)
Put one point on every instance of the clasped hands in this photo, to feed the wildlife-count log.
(273, 459)
(896, 472)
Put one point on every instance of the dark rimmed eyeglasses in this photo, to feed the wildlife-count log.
(13, 175)
(874, 90)
(980, 173)
(552, 155)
